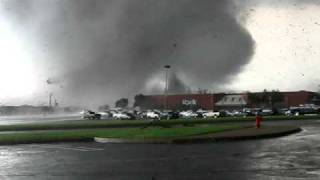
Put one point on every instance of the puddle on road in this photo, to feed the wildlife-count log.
(307, 132)
(317, 172)
(294, 156)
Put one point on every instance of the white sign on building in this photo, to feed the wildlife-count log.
(189, 102)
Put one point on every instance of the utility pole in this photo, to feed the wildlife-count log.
(56, 104)
(50, 99)
(167, 67)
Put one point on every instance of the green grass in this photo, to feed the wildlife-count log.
(128, 133)
(89, 124)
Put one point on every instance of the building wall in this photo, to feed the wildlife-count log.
(294, 98)
(204, 101)
(297, 98)
(207, 101)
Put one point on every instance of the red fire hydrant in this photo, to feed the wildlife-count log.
(258, 121)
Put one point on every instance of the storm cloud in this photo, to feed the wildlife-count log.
(102, 50)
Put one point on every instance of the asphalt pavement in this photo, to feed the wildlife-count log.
(292, 157)
(10, 120)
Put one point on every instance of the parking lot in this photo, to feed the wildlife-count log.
(291, 157)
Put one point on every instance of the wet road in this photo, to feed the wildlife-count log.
(293, 157)
(6, 120)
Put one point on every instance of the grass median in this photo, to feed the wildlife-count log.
(128, 133)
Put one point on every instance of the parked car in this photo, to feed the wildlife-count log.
(132, 116)
(211, 114)
(173, 115)
(241, 113)
(296, 111)
(225, 113)
(266, 112)
(188, 114)
(87, 114)
(308, 110)
(250, 112)
(282, 111)
(162, 114)
(105, 115)
(152, 115)
(199, 114)
(120, 115)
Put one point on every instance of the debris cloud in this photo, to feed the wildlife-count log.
(102, 50)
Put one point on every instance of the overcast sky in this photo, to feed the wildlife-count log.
(286, 56)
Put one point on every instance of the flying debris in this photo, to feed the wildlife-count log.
(49, 81)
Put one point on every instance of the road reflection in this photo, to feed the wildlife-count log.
(8, 120)
(295, 156)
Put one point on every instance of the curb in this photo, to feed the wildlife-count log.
(262, 136)
(200, 139)
(132, 141)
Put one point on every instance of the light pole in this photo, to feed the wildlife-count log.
(50, 99)
(167, 67)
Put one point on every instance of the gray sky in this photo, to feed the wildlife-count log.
(96, 52)
(287, 55)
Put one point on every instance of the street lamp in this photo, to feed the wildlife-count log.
(167, 67)
(50, 99)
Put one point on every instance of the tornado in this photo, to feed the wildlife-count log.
(102, 50)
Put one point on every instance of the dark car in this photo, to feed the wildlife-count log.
(173, 115)
(131, 116)
(301, 111)
(91, 115)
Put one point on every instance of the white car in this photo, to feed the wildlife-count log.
(188, 114)
(152, 115)
(266, 112)
(211, 114)
(120, 116)
(239, 114)
(105, 115)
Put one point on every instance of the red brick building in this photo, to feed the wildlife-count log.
(225, 101)
(204, 101)
(299, 97)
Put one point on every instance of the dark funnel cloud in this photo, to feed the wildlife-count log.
(176, 85)
(102, 50)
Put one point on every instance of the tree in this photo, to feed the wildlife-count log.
(275, 96)
(255, 98)
(104, 107)
(266, 97)
(122, 103)
(139, 100)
